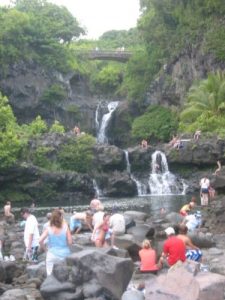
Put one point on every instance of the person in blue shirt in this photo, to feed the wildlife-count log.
(59, 240)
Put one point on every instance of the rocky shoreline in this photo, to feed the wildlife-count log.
(110, 274)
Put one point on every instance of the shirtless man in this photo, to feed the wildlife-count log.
(7, 211)
(77, 220)
(192, 251)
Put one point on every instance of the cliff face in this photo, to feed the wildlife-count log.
(24, 85)
(171, 87)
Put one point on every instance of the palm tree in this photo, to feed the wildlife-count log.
(207, 98)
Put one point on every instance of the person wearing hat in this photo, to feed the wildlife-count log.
(173, 248)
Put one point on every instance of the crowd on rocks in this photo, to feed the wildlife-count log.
(105, 244)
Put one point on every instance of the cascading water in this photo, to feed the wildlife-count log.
(161, 180)
(98, 192)
(101, 136)
(141, 188)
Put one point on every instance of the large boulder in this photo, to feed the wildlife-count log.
(88, 274)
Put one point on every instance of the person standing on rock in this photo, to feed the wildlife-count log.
(218, 169)
(204, 192)
(100, 230)
(31, 235)
(7, 211)
(117, 225)
(173, 249)
(59, 240)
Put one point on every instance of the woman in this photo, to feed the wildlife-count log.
(204, 192)
(59, 239)
(100, 230)
(148, 258)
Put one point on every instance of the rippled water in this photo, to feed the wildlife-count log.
(152, 205)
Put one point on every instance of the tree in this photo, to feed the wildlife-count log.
(158, 123)
(205, 105)
(10, 144)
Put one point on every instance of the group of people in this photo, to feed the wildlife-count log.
(57, 233)
(177, 247)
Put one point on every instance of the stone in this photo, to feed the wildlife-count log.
(211, 286)
(133, 295)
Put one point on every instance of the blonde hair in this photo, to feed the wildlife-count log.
(146, 244)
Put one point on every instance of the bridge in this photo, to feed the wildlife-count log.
(116, 55)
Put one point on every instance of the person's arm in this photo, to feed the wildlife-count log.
(43, 237)
(190, 245)
(30, 239)
(69, 237)
(88, 222)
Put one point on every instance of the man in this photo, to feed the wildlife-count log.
(31, 235)
(117, 225)
(7, 211)
(173, 248)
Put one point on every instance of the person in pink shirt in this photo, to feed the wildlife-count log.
(148, 258)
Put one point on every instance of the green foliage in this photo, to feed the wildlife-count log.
(205, 106)
(38, 30)
(108, 79)
(10, 144)
(37, 127)
(78, 154)
(40, 157)
(158, 123)
(57, 127)
(54, 94)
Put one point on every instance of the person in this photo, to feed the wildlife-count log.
(7, 211)
(47, 224)
(94, 204)
(192, 251)
(31, 235)
(144, 144)
(77, 219)
(100, 231)
(173, 249)
(185, 209)
(173, 141)
(197, 134)
(98, 215)
(59, 240)
(117, 225)
(76, 130)
(204, 190)
(218, 169)
(212, 193)
(193, 221)
(148, 258)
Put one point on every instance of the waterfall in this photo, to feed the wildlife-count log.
(161, 180)
(101, 136)
(96, 117)
(141, 188)
(98, 192)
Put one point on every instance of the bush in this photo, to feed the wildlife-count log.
(158, 123)
(39, 157)
(57, 127)
(77, 155)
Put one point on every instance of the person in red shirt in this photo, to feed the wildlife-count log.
(148, 258)
(173, 248)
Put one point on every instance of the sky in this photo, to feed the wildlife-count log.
(99, 16)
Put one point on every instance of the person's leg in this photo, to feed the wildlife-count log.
(50, 260)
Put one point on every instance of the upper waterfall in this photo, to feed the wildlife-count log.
(101, 135)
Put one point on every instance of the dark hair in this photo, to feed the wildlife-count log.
(183, 229)
(24, 210)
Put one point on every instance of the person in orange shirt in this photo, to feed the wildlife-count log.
(148, 258)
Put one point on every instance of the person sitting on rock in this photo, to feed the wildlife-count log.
(192, 251)
(173, 249)
(197, 134)
(148, 258)
(144, 144)
(188, 207)
(218, 169)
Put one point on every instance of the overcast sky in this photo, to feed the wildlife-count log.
(98, 16)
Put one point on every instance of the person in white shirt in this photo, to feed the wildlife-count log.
(117, 225)
(204, 192)
(31, 235)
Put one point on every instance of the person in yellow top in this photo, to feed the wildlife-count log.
(187, 207)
